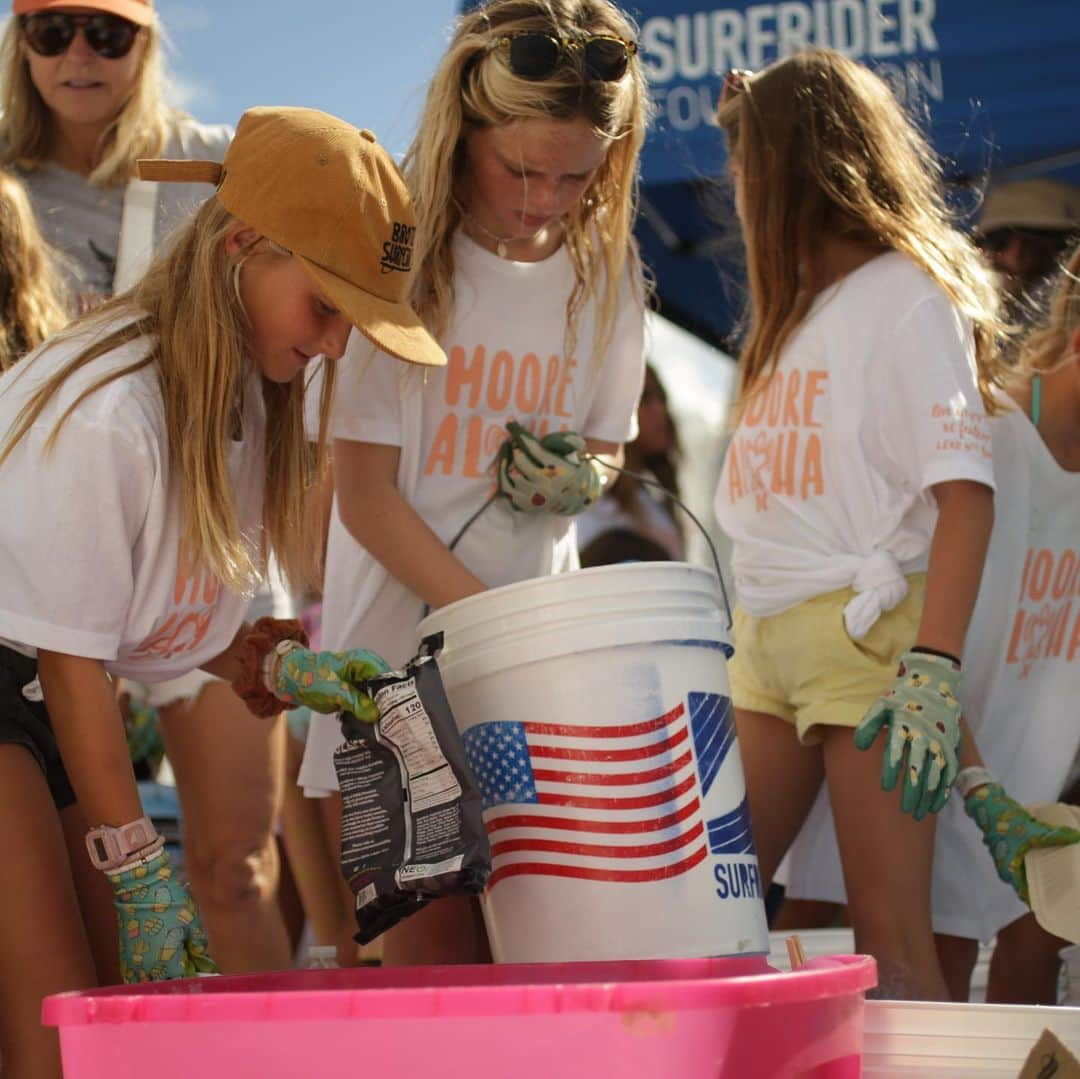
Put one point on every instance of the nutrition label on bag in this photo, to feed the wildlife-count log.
(405, 724)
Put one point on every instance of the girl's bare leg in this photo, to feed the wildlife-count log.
(229, 767)
(782, 781)
(43, 945)
(887, 857)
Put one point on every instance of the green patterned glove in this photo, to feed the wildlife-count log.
(161, 934)
(1010, 832)
(327, 681)
(922, 715)
(142, 726)
(548, 475)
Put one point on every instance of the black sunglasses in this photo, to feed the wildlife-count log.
(534, 55)
(50, 33)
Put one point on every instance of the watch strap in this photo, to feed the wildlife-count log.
(111, 846)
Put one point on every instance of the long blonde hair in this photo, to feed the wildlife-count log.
(31, 294)
(189, 305)
(825, 149)
(139, 129)
(474, 87)
(1048, 345)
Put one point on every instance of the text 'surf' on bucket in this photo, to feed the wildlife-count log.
(597, 719)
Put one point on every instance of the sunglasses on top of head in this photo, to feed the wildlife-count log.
(734, 84)
(534, 55)
(50, 33)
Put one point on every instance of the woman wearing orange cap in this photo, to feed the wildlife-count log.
(82, 101)
(135, 546)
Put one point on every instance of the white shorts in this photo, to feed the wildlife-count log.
(317, 775)
(161, 694)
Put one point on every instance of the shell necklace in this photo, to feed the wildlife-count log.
(499, 241)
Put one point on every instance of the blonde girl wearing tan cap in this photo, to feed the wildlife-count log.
(82, 101)
(524, 175)
(156, 453)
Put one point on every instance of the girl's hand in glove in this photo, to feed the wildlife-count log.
(922, 715)
(548, 475)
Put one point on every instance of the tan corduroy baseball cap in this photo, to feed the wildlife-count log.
(1031, 204)
(331, 195)
(139, 11)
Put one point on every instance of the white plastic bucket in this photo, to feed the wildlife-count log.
(596, 715)
(907, 1039)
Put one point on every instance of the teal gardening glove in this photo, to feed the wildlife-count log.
(161, 934)
(1010, 832)
(922, 715)
(547, 475)
(327, 681)
(280, 673)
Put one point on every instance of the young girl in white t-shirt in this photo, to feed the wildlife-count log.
(524, 176)
(1022, 666)
(153, 454)
(858, 489)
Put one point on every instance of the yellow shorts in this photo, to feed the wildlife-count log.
(802, 666)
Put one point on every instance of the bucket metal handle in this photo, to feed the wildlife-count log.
(689, 513)
(641, 479)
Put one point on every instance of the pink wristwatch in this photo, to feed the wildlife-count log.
(110, 847)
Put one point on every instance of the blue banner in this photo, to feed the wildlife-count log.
(998, 82)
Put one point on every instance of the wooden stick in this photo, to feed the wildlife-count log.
(795, 951)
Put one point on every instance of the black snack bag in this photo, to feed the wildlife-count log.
(411, 825)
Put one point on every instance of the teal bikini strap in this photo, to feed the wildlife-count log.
(1036, 399)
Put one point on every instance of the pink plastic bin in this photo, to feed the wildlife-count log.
(685, 1018)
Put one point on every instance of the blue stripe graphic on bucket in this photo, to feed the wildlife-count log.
(730, 832)
(600, 802)
(714, 734)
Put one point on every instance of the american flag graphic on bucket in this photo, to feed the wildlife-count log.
(607, 803)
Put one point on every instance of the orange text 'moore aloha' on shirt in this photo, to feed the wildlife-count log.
(833, 457)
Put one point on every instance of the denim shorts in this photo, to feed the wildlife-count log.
(25, 722)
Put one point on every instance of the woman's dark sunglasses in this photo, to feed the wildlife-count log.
(533, 55)
(50, 33)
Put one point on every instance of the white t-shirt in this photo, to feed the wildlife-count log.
(90, 538)
(1021, 680)
(506, 360)
(826, 483)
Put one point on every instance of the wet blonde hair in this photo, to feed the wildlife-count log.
(189, 304)
(138, 130)
(474, 87)
(825, 149)
(1048, 345)
(31, 294)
